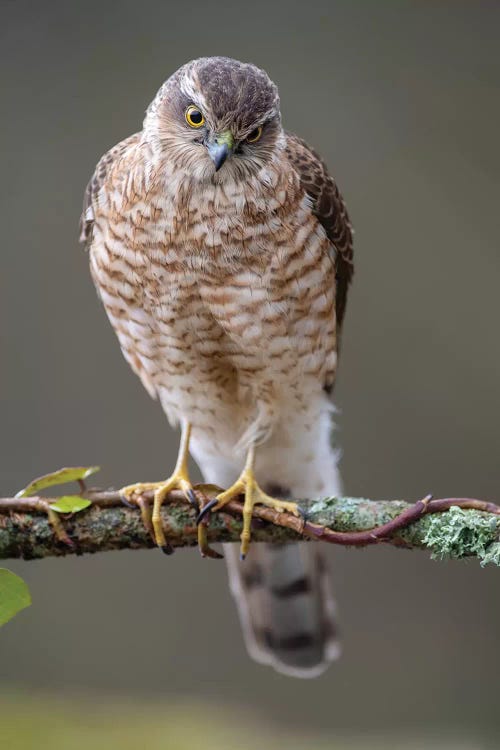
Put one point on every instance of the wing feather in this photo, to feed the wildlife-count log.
(329, 208)
(97, 183)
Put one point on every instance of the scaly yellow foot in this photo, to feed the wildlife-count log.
(179, 480)
(132, 494)
(247, 484)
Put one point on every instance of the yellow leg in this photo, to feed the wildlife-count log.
(179, 480)
(247, 484)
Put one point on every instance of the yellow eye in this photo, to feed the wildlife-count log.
(194, 117)
(255, 135)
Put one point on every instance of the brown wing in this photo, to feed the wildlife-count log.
(96, 182)
(329, 207)
(96, 185)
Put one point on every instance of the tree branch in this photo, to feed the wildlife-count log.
(451, 527)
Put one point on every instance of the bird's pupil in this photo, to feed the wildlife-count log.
(253, 134)
(196, 116)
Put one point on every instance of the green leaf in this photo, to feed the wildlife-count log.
(14, 595)
(70, 504)
(68, 474)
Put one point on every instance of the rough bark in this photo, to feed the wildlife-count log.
(452, 527)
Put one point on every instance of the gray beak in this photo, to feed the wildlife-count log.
(218, 153)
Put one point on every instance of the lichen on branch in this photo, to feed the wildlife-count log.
(449, 528)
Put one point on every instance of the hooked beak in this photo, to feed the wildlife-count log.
(221, 148)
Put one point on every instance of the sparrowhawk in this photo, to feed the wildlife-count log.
(222, 251)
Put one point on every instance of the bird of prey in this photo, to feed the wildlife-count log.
(222, 251)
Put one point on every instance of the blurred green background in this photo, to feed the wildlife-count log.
(129, 649)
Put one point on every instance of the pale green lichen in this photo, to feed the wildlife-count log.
(462, 533)
(351, 513)
(354, 514)
(455, 533)
(492, 554)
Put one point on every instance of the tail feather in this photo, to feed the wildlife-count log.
(285, 605)
(283, 592)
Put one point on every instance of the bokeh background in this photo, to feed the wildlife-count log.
(401, 98)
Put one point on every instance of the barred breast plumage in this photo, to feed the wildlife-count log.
(227, 290)
(221, 296)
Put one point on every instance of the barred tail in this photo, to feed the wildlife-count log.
(285, 605)
(283, 591)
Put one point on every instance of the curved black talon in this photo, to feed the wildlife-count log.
(211, 553)
(206, 510)
(167, 549)
(127, 503)
(192, 499)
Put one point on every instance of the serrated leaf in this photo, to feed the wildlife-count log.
(70, 504)
(61, 476)
(14, 595)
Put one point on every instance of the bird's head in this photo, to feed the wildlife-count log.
(216, 118)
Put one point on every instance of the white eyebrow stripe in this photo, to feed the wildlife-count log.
(190, 87)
